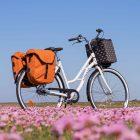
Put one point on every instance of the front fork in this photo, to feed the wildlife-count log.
(105, 88)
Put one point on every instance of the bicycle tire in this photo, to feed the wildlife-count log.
(92, 78)
(21, 75)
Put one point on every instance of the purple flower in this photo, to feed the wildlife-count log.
(2, 124)
(63, 124)
(12, 136)
(129, 135)
(116, 129)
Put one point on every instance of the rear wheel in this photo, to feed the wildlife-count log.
(96, 90)
(33, 97)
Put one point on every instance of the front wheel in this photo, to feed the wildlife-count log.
(96, 89)
(32, 97)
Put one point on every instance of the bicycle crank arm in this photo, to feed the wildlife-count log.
(68, 93)
(53, 93)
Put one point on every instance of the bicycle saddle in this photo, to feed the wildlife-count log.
(54, 49)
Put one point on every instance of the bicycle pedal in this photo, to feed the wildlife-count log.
(68, 101)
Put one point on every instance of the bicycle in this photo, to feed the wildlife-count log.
(101, 90)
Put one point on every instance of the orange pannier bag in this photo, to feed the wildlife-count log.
(40, 66)
(17, 63)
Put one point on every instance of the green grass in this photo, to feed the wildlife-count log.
(42, 133)
(133, 103)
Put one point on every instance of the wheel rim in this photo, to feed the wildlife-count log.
(119, 97)
(28, 97)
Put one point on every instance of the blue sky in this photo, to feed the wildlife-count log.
(40, 24)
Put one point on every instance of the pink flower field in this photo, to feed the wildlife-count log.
(77, 123)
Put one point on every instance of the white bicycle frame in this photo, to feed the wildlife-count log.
(79, 77)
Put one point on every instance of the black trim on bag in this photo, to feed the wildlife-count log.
(30, 56)
(46, 75)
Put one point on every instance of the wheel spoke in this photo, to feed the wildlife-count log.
(29, 97)
(95, 91)
(116, 84)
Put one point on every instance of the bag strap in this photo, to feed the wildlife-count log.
(18, 55)
(46, 56)
(46, 75)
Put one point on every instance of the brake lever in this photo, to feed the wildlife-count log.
(78, 41)
(74, 43)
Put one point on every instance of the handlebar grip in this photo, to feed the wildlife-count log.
(72, 39)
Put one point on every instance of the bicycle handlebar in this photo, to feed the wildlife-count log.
(81, 38)
(78, 38)
(99, 30)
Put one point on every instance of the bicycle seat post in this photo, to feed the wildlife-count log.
(57, 56)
